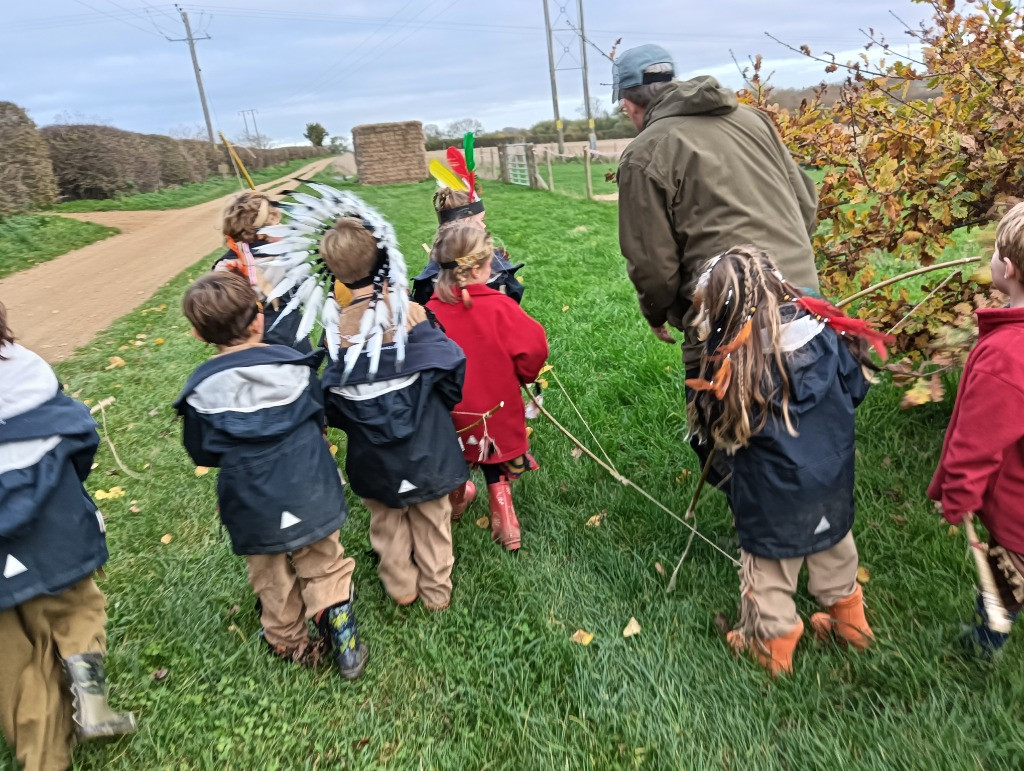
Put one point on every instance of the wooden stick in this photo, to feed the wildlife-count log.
(996, 617)
(904, 276)
(689, 515)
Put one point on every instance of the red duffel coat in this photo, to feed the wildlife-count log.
(504, 348)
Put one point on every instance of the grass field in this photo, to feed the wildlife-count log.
(495, 682)
(29, 239)
(571, 178)
(185, 195)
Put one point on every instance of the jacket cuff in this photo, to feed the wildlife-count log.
(953, 517)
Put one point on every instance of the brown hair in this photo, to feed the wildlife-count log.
(221, 306)
(6, 335)
(465, 245)
(349, 250)
(246, 213)
(738, 298)
(446, 199)
(1010, 239)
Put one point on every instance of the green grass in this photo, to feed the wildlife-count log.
(184, 195)
(571, 177)
(494, 682)
(29, 239)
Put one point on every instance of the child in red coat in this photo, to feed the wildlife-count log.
(504, 348)
(981, 470)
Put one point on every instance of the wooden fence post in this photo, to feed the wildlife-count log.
(531, 168)
(503, 163)
(551, 176)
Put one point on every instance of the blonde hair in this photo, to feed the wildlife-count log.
(6, 335)
(221, 306)
(446, 199)
(246, 213)
(458, 248)
(349, 250)
(1010, 239)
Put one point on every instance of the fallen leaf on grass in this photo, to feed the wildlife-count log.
(141, 337)
(582, 637)
(122, 348)
(576, 452)
(659, 569)
(161, 674)
(166, 539)
(683, 474)
(529, 430)
(154, 412)
(632, 628)
(899, 519)
(234, 609)
(94, 466)
(863, 575)
(158, 341)
(483, 522)
(137, 343)
(202, 471)
(565, 308)
(134, 509)
(111, 494)
(358, 745)
(954, 531)
(545, 368)
(115, 362)
(597, 519)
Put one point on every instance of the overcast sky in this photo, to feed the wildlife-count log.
(346, 63)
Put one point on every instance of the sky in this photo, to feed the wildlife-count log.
(344, 63)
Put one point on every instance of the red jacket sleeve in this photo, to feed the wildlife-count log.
(527, 345)
(986, 425)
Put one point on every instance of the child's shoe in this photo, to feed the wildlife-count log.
(94, 719)
(846, 621)
(338, 625)
(307, 655)
(504, 524)
(981, 641)
(460, 499)
(775, 655)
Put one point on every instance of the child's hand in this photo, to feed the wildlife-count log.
(663, 334)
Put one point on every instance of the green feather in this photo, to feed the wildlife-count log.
(467, 149)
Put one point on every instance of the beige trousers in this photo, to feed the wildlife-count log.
(35, 704)
(297, 586)
(767, 586)
(415, 549)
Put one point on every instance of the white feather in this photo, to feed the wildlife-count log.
(300, 297)
(330, 317)
(288, 261)
(286, 231)
(286, 245)
(309, 315)
(292, 277)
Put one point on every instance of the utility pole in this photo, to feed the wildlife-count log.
(195, 65)
(256, 130)
(583, 67)
(554, 81)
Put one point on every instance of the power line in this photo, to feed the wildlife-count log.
(116, 18)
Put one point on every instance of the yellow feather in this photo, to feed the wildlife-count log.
(446, 176)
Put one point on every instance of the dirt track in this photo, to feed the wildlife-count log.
(62, 304)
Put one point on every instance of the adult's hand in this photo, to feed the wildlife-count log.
(663, 334)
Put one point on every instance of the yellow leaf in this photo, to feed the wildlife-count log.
(202, 471)
(565, 308)
(863, 575)
(954, 530)
(683, 474)
(111, 494)
(141, 337)
(483, 522)
(334, 450)
(632, 628)
(545, 368)
(596, 520)
(158, 341)
(166, 539)
(582, 637)
(529, 430)
(115, 362)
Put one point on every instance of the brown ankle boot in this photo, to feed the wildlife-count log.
(846, 621)
(504, 524)
(460, 499)
(775, 655)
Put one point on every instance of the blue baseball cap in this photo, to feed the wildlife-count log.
(628, 68)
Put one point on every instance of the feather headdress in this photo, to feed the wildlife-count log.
(462, 174)
(308, 217)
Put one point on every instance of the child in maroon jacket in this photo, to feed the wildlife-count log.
(504, 348)
(981, 470)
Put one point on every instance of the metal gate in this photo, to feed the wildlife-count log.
(518, 167)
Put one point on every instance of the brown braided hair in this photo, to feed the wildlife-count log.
(458, 248)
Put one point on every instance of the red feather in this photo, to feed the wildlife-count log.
(840, 322)
(458, 163)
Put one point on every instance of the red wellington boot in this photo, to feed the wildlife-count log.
(846, 620)
(504, 524)
(775, 655)
(460, 498)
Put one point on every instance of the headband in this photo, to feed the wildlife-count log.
(261, 214)
(460, 212)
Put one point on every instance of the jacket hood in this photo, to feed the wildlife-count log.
(27, 380)
(700, 96)
(990, 319)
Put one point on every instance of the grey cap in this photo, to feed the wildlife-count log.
(628, 68)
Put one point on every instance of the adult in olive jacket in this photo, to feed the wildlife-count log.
(704, 174)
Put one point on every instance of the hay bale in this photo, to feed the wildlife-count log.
(26, 173)
(390, 153)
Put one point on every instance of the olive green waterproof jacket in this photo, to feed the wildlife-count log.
(706, 174)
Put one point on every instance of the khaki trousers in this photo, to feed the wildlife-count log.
(297, 586)
(767, 586)
(35, 704)
(415, 548)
